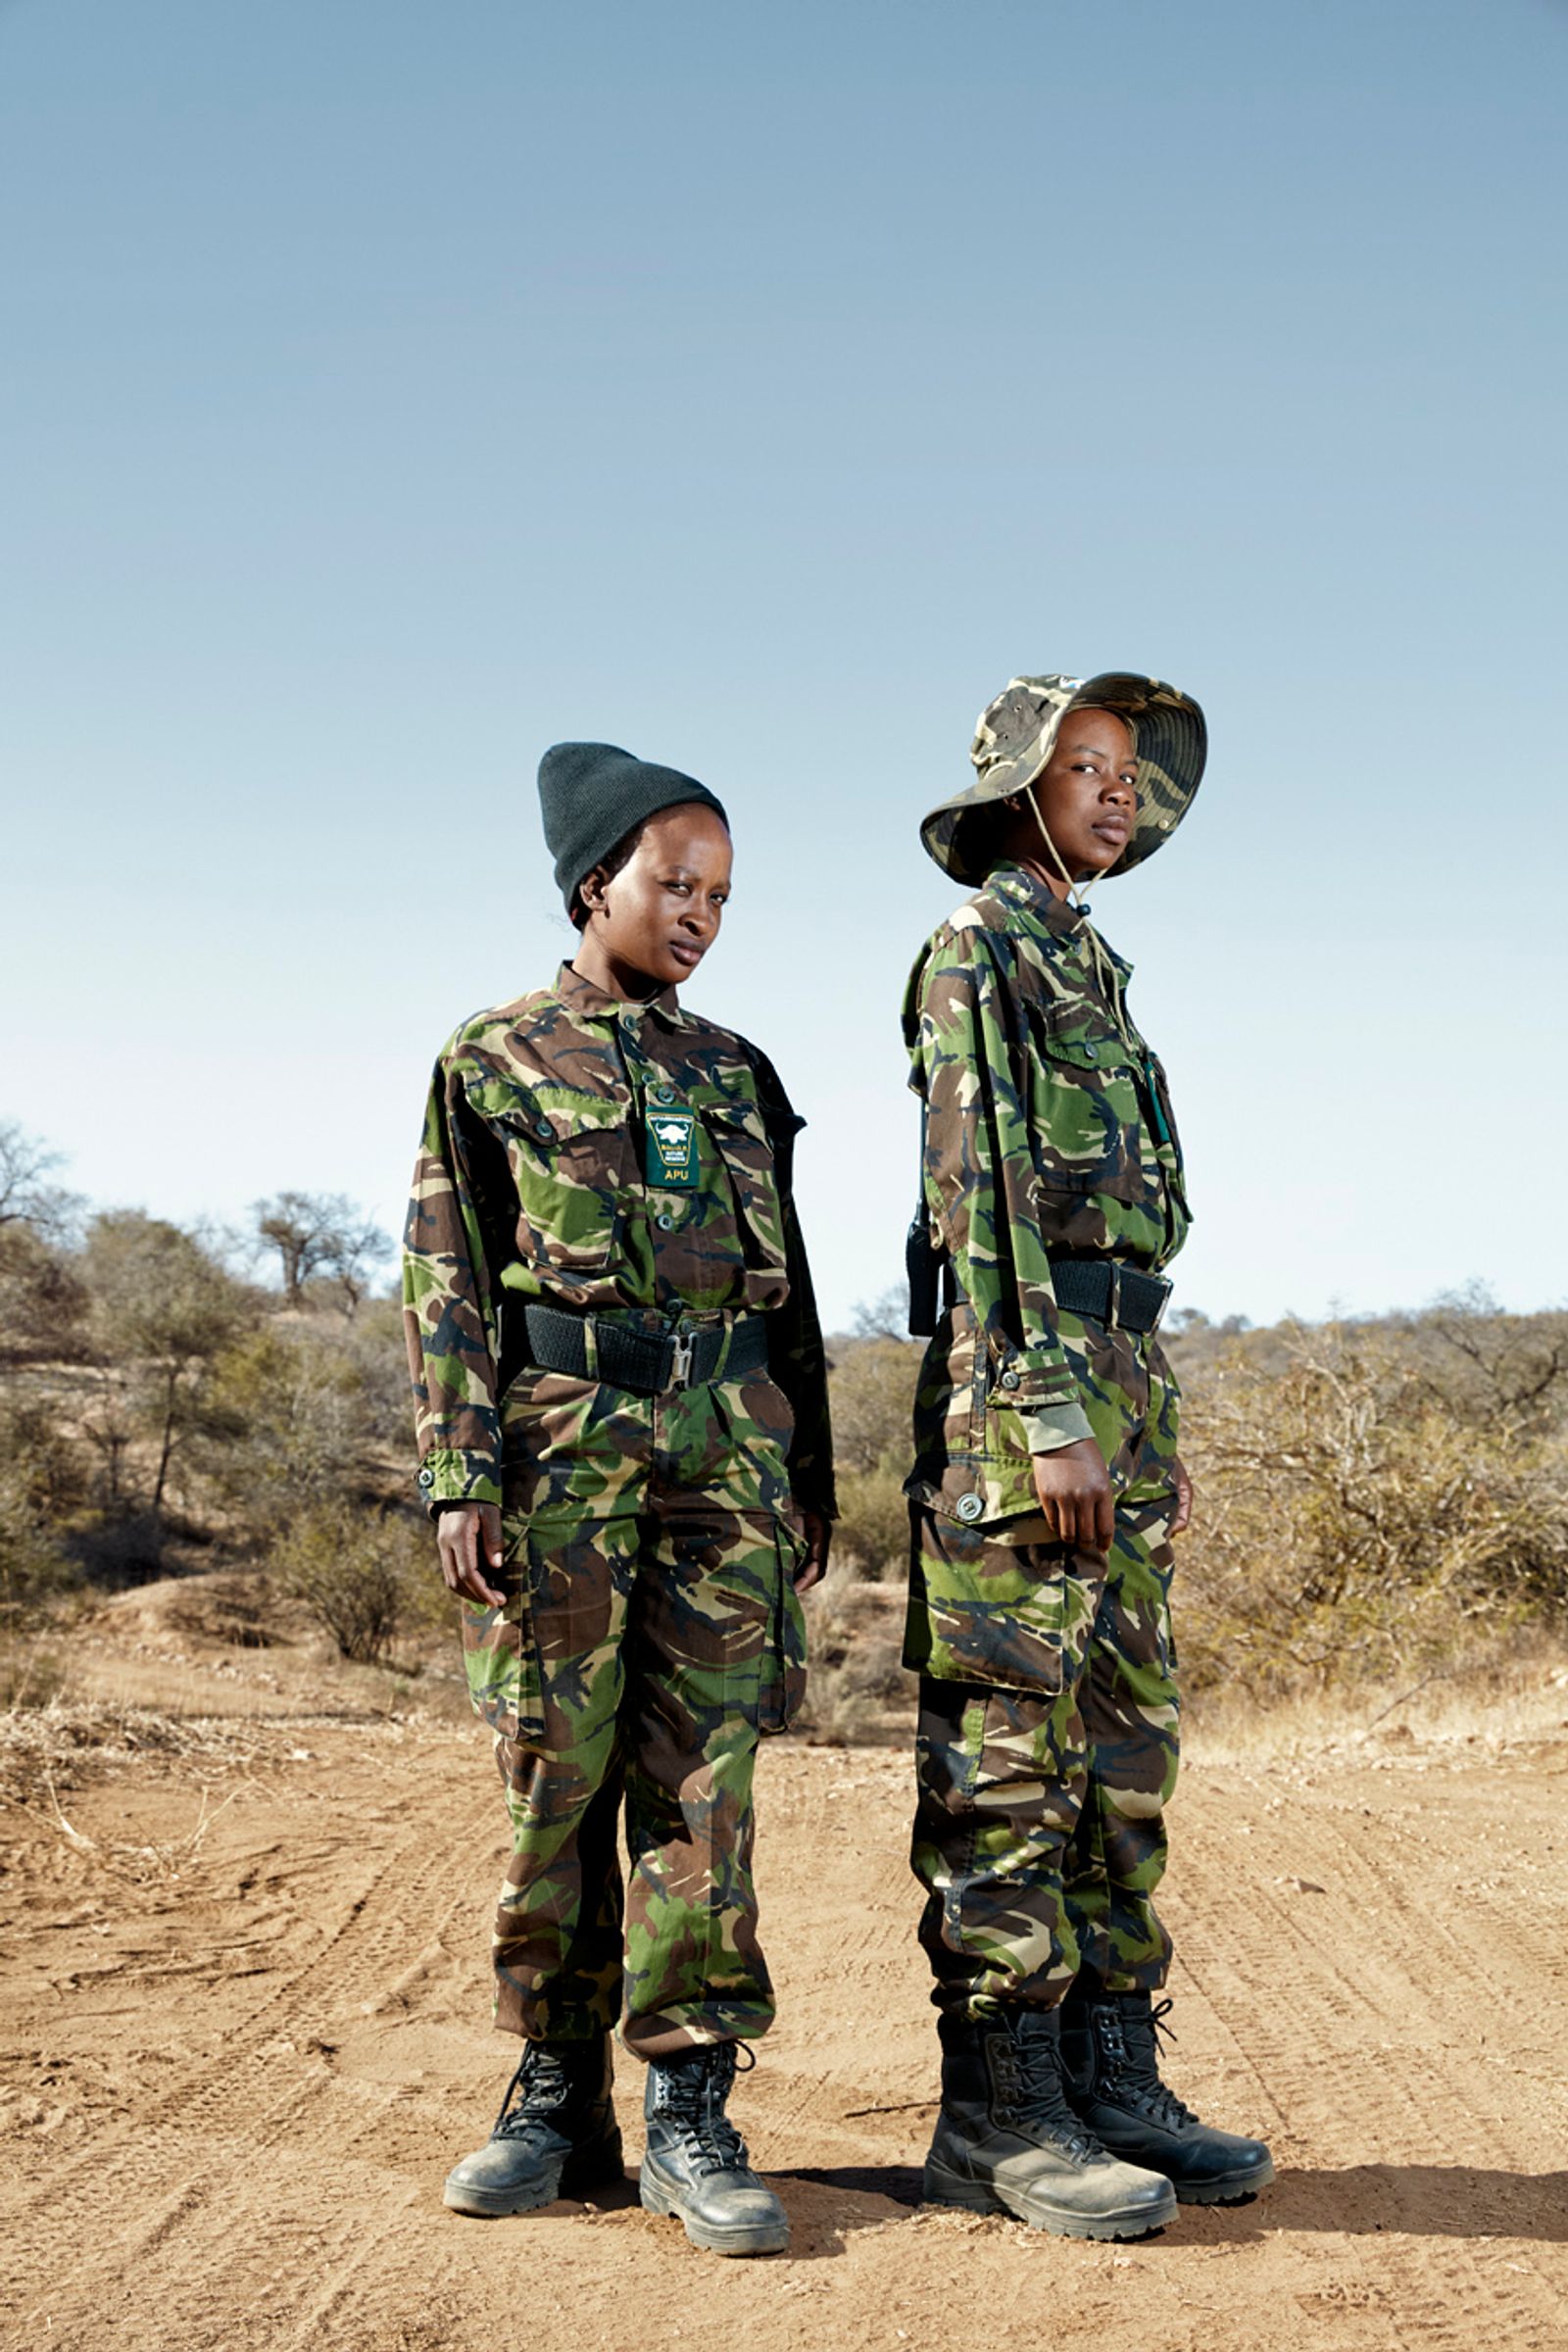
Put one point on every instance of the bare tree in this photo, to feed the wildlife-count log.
(40, 1227)
(316, 1234)
(25, 1198)
(884, 1318)
(1503, 1369)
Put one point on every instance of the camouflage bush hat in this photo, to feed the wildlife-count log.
(1016, 735)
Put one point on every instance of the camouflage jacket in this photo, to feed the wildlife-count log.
(1047, 1129)
(532, 1182)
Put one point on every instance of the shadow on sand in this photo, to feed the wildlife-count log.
(1413, 2200)
(828, 2203)
(1363, 2200)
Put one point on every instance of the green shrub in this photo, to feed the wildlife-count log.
(43, 1485)
(858, 1692)
(289, 1426)
(872, 1533)
(363, 1574)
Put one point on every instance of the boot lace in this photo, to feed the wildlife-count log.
(1027, 2070)
(691, 2097)
(1131, 2045)
(540, 2087)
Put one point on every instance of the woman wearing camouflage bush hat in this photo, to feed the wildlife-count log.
(1046, 1487)
(621, 1405)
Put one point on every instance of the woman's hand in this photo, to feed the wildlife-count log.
(817, 1529)
(468, 1537)
(1184, 1498)
(1074, 1492)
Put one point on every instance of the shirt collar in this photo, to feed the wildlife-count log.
(1026, 891)
(591, 1002)
(1023, 889)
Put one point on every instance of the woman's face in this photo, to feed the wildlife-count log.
(651, 925)
(1088, 792)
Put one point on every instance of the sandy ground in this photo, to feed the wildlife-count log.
(245, 2034)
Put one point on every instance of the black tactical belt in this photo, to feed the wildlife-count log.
(644, 1361)
(1107, 1293)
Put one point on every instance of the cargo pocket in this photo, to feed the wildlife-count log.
(501, 1650)
(783, 1684)
(1008, 1616)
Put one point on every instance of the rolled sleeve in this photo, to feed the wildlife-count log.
(1055, 1425)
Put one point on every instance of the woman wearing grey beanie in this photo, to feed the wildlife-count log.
(621, 1407)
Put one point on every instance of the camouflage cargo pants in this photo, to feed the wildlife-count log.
(650, 1632)
(1039, 1829)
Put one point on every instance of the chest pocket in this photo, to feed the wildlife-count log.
(1087, 1117)
(567, 1154)
(748, 1150)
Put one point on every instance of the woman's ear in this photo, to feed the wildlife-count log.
(591, 889)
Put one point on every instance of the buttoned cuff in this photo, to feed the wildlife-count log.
(456, 1474)
(1058, 1425)
(1032, 1384)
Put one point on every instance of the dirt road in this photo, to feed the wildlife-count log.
(236, 2066)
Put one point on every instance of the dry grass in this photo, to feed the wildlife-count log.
(161, 1862)
(857, 1694)
(228, 1644)
(1385, 1503)
(174, 1672)
(55, 1745)
(1510, 1693)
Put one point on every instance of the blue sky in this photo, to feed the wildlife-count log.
(390, 392)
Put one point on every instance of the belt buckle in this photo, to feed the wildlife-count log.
(1113, 1302)
(681, 1344)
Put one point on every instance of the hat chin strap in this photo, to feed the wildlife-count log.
(1095, 947)
(1073, 888)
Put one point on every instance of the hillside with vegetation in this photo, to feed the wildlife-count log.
(252, 1832)
(1378, 1501)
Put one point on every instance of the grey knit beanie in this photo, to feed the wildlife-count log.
(592, 796)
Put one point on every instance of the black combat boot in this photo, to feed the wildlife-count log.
(1006, 2141)
(556, 2135)
(696, 2167)
(1110, 2051)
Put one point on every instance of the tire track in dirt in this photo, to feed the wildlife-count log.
(1359, 2047)
(254, 2161)
(246, 2094)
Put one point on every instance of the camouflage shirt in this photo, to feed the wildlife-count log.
(1047, 1129)
(562, 1161)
